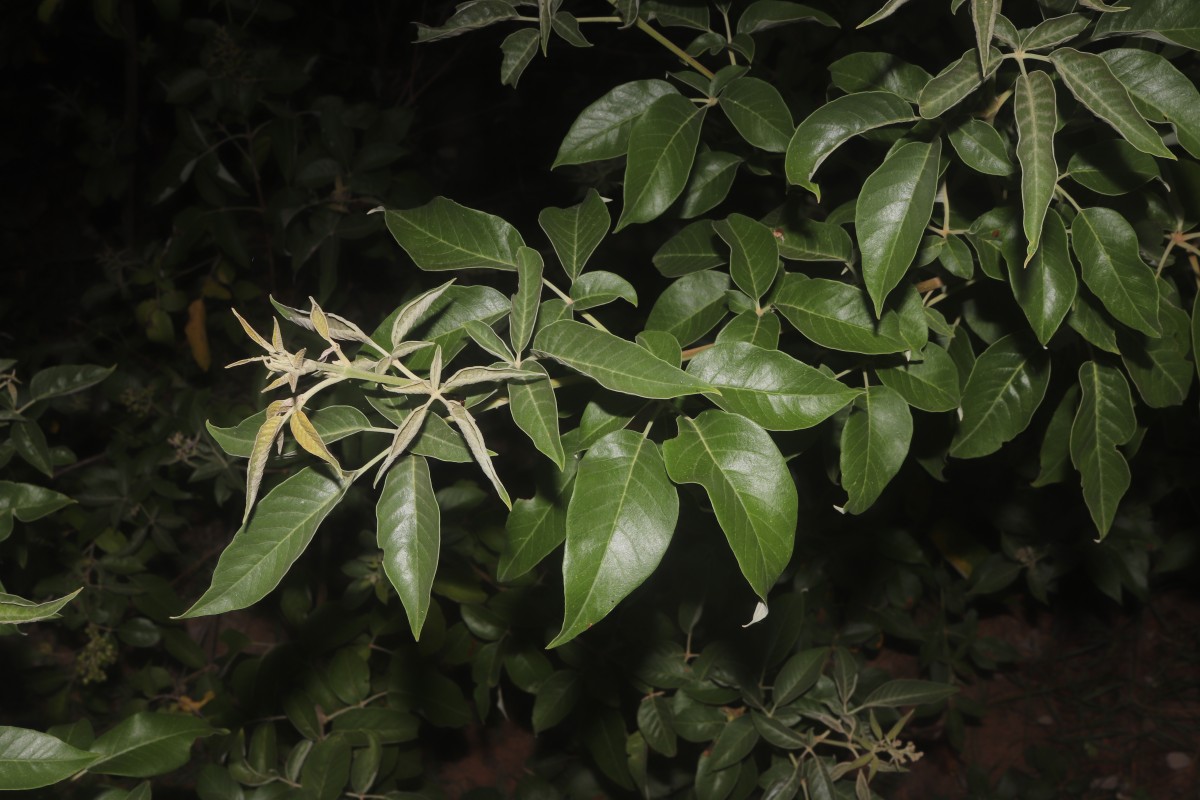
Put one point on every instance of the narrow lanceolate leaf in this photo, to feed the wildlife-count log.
(833, 124)
(534, 408)
(753, 253)
(443, 235)
(1093, 83)
(486, 337)
(335, 327)
(263, 550)
(953, 84)
(888, 8)
(983, 17)
(1107, 248)
(519, 48)
(525, 301)
(264, 440)
(468, 17)
(1037, 119)
(65, 379)
(403, 438)
(474, 438)
(309, 439)
(409, 314)
(662, 146)
(838, 316)
(1054, 456)
(930, 384)
(769, 387)
(1157, 19)
(619, 523)
(17, 610)
(1055, 31)
(1104, 421)
(874, 445)
(758, 112)
(32, 759)
(410, 534)
(615, 363)
(747, 483)
(602, 130)
(1007, 384)
(908, 692)
(1159, 87)
(148, 743)
(892, 212)
(576, 232)
(1045, 289)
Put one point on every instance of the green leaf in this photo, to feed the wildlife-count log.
(869, 72)
(983, 17)
(1006, 386)
(148, 743)
(332, 423)
(519, 48)
(758, 113)
(525, 301)
(468, 17)
(577, 231)
(736, 741)
(1054, 31)
(1157, 86)
(442, 235)
(810, 240)
(31, 759)
(776, 733)
(614, 363)
(1046, 288)
(1037, 119)
(769, 387)
(1054, 456)
(690, 307)
(1113, 168)
(31, 445)
(1104, 421)
(765, 14)
(953, 84)
(17, 610)
(747, 483)
(661, 344)
(1157, 19)
(326, 769)
(600, 287)
(410, 533)
(27, 502)
(604, 736)
(693, 249)
(753, 256)
(1093, 83)
(264, 548)
(1107, 248)
(1159, 367)
(1089, 319)
(65, 380)
(981, 147)
(956, 258)
(892, 212)
(534, 409)
(556, 698)
(835, 123)
(761, 330)
(874, 444)
(798, 674)
(908, 692)
(930, 384)
(602, 130)
(656, 721)
(710, 181)
(486, 337)
(838, 316)
(474, 439)
(662, 146)
(619, 523)
(442, 322)
(889, 8)
(535, 527)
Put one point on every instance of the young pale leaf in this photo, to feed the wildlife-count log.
(1104, 421)
(1007, 384)
(753, 253)
(953, 84)
(1157, 86)
(525, 301)
(983, 17)
(534, 409)
(264, 440)
(619, 523)
(1107, 248)
(691, 306)
(1093, 83)
(930, 384)
(769, 387)
(1054, 31)
(981, 147)
(833, 124)
(615, 363)
(309, 439)
(17, 610)
(1112, 168)
(892, 212)
(1046, 288)
(599, 288)
(264, 548)
(474, 438)
(410, 535)
(332, 423)
(765, 14)
(709, 183)
(414, 310)
(693, 249)
(403, 438)
(1054, 456)
(1157, 19)
(838, 316)
(442, 235)
(869, 72)
(662, 146)
(148, 743)
(874, 444)
(748, 484)
(758, 113)
(760, 330)
(576, 232)
(486, 337)
(889, 8)
(468, 17)
(31, 759)
(519, 48)
(602, 130)
(336, 327)
(1037, 119)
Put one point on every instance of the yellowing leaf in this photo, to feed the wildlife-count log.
(196, 332)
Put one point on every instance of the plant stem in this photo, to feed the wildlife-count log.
(645, 28)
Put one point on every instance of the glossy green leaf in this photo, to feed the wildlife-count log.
(710, 181)
(890, 7)
(981, 147)
(693, 249)
(736, 741)
(65, 380)
(1159, 366)
(908, 692)
(1161, 92)
(1037, 120)
(518, 48)
(534, 409)
(753, 254)
(874, 444)
(598, 288)
(760, 330)
(619, 523)
(1113, 168)
(326, 769)
(838, 316)
(956, 258)
(443, 235)
(983, 17)
(1007, 384)
(748, 484)
(577, 231)
(31, 759)
(468, 17)
(535, 527)
(31, 445)
(555, 699)
(613, 362)
(892, 212)
(810, 240)
(954, 84)
(690, 307)
(410, 533)
(604, 736)
(869, 72)
(1054, 31)
(930, 384)
(1104, 421)
(662, 146)
(17, 610)
(1054, 456)
(1046, 288)
(1089, 319)
(1107, 248)
(769, 387)
(261, 552)
(835, 123)
(758, 113)
(526, 301)
(148, 743)
(777, 734)
(798, 674)
(662, 344)
(656, 721)
(602, 130)
(765, 14)
(27, 502)
(1157, 19)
